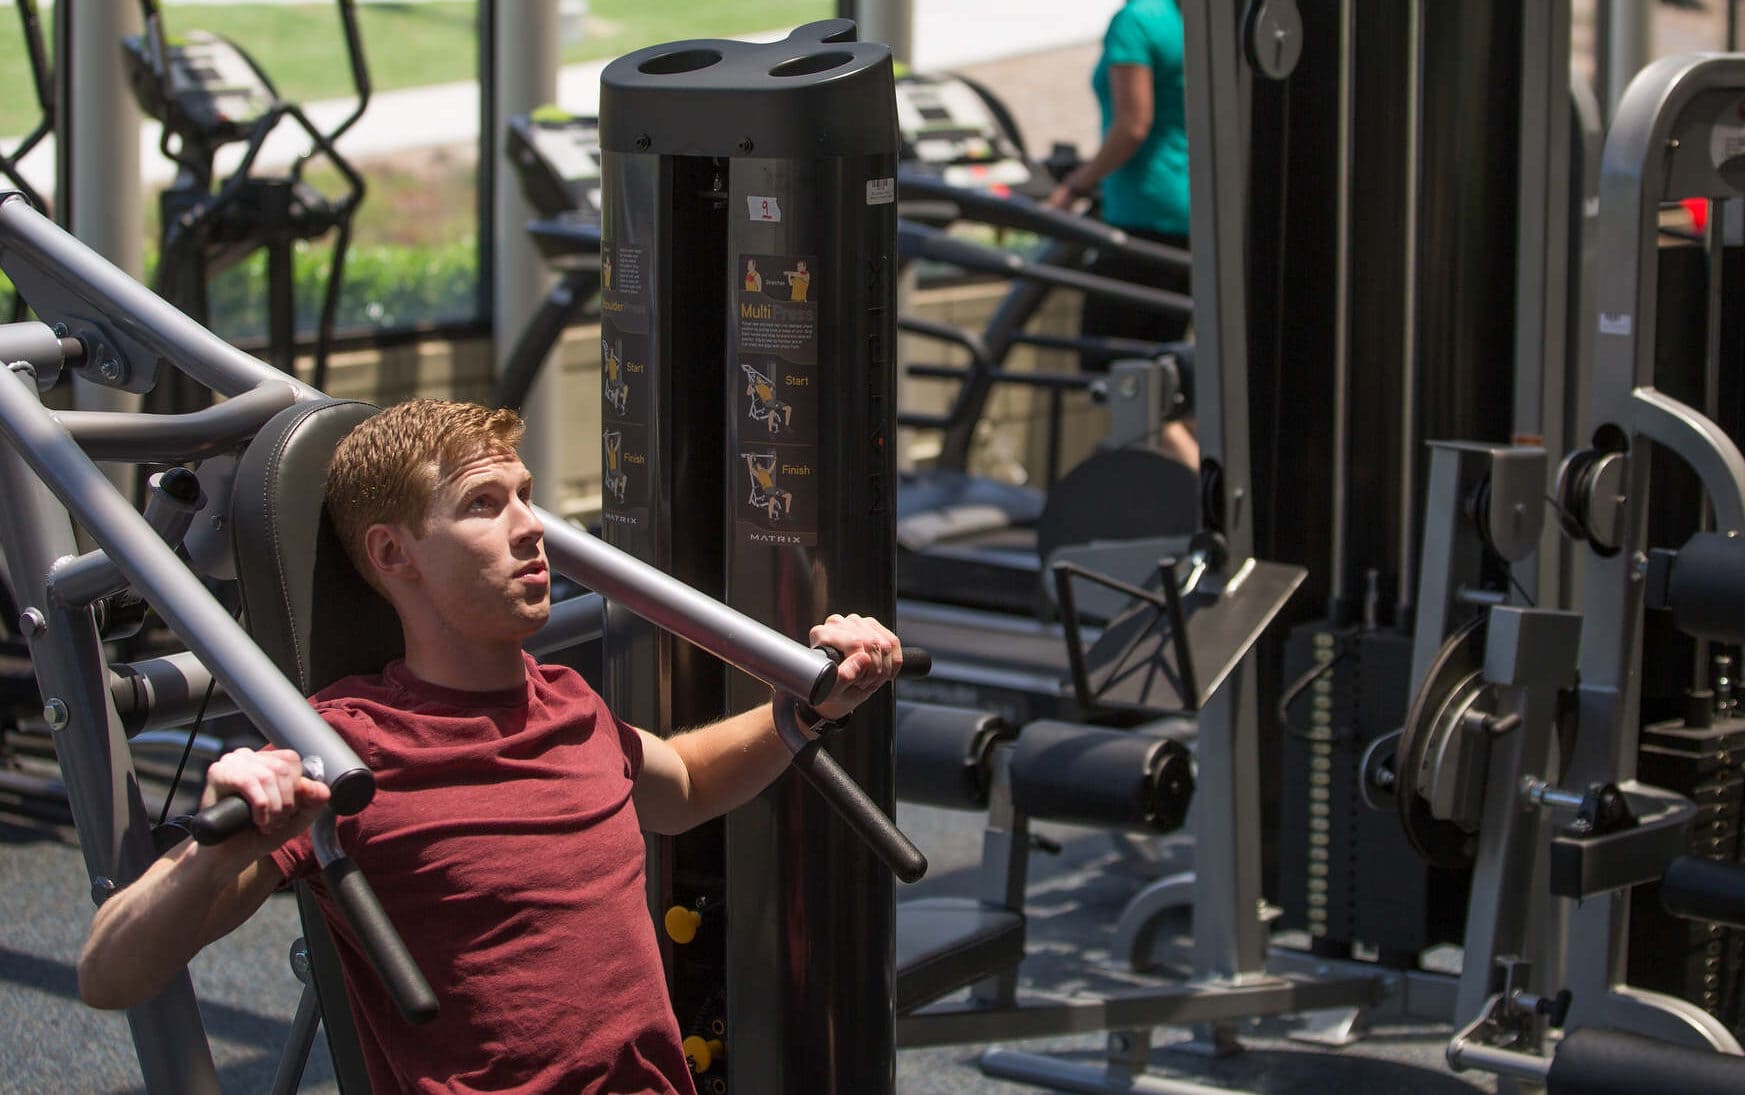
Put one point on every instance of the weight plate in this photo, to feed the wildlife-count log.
(1455, 679)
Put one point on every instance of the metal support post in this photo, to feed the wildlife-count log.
(524, 67)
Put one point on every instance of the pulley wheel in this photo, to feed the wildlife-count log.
(1450, 689)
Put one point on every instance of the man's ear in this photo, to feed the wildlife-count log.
(385, 550)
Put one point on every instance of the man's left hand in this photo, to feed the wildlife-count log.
(871, 658)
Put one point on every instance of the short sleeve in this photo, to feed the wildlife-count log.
(295, 858)
(631, 741)
(1127, 42)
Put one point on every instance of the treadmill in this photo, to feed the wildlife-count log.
(969, 540)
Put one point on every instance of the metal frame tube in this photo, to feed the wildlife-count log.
(673, 606)
(271, 701)
(102, 791)
(1408, 492)
(159, 693)
(1342, 307)
(172, 438)
(136, 313)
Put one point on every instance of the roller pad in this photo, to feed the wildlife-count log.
(1706, 587)
(1705, 889)
(1094, 776)
(1610, 1062)
(944, 754)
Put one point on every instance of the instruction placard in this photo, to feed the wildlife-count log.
(626, 387)
(775, 377)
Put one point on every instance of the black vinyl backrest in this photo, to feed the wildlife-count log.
(316, 618)
(305, 603)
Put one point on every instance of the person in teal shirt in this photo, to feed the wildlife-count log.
(1140, 171)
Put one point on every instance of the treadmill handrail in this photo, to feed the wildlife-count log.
(1020, 212)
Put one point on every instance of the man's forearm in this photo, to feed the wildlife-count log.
(147, 932)
(731, 761)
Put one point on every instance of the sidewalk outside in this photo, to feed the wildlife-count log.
(948, 34)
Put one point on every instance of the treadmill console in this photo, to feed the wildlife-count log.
(948, 128)
(557, 156)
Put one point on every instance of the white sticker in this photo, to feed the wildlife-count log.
(1614, 323)
(1727, 142)
(764, 209)
(881, 191)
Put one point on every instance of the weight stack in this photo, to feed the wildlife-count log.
(750, 233)
(1347, 875)
(1694, 961)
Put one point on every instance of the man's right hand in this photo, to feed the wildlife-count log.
(282, 800)
(146, 932)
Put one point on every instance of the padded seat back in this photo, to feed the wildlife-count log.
(315, 616)
(306, 605)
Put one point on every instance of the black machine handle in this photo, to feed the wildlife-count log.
(846, 797)
(387, 951)
(222, 820)
(231, 815)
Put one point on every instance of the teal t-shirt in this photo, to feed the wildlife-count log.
(1150, 190)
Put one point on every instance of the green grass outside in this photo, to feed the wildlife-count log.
(407, 45)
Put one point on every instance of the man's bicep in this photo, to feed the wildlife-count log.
(663, 786)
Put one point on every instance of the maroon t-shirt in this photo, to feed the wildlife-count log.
(504, 846)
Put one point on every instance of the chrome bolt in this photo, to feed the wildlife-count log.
(110, 370)
(55, 713)
(102, 889)
(31, 622)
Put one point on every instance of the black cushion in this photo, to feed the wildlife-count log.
(315, 617)
(305, 604)
(947, 943)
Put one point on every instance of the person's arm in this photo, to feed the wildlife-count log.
(147, 932)
(1131, 92)
(692, 777)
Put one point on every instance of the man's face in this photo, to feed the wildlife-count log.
(481, 560)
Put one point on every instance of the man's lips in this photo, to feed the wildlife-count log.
(532, 570)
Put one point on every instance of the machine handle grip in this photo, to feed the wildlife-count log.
(851, 804)
(230, 815)
(917, 662)
(376, 935)
(845, 796)
(222, 820)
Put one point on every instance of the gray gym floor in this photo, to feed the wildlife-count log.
(53, 1043)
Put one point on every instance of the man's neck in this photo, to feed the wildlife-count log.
(469, 668)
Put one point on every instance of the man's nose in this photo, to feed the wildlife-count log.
(527, 522)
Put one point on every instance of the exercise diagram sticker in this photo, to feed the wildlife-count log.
(626, 394)
(780, 501)
(774, 375)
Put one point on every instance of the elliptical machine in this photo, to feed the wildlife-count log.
(556, 154)
(42, 80)
(208, 93)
